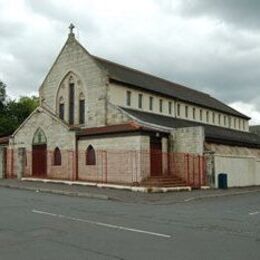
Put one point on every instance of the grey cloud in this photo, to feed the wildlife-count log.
(240, 13)
(224, 62)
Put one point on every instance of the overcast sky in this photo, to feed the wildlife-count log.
(209, 45)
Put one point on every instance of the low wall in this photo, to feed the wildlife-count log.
(241, 170)
(257, 172)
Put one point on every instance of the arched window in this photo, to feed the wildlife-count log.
(90, 156)
(71, 100)
(39, 137)
(57, 157)
(61, 108)
(81, 108)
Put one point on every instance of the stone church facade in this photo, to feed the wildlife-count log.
(103, 122)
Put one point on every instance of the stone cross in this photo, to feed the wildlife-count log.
(71, 27)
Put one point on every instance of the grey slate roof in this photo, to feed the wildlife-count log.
(212, 133)
(157, 85)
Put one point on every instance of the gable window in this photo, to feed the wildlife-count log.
(201, 115)
(57, 157)
(61, 108)
(140, 101)
(207, 116)
(128, 98)
(90, 156)
(161, 105)
(81, 109)
(61, 111)
(186, 111)
(71, 103)
(194, 113)
(170, 107)
(178, 109)
(151, 103)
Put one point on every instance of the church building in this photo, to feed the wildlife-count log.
(102, 122)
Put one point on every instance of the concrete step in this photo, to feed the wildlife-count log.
(164, 181)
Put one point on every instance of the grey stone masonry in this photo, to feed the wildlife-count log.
(20, 163)
(74, 59)
(2, 162)
(188, 140)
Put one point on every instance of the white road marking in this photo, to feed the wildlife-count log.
(254, 213)
(101, 224)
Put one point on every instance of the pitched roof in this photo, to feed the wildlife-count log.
(161, 86)
(212, 133)
(4, 140)
(121, 128)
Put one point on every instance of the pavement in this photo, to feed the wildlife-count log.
(124, 195)
(36, 225)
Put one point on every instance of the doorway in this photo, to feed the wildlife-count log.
(156, 156)
(39, 154)
(39, 160)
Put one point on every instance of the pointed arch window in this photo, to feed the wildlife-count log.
(71, 100)
(61, 108)
(39, 137)
(57, 157)
(90, 156)
(81, 109)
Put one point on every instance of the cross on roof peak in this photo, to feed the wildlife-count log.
(71, 27)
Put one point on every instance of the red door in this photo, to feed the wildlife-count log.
(156, 156)
(39, 160)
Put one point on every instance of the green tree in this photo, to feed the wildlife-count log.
(14, 112)
(2, 95)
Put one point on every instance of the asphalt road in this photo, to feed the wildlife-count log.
(47, 226)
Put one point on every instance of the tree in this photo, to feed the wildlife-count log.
(14, 112)
(2, 95)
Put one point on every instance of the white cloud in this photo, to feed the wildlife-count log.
(248, 109)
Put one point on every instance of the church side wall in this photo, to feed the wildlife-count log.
(119, 159)
(117, 96)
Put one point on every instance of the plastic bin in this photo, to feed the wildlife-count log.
(222, 181)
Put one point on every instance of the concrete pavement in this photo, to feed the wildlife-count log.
(124, 195)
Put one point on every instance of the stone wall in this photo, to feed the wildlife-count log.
(74, 58)
(188, 140)
(257, 172)
(119, 159)
(57, 135)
